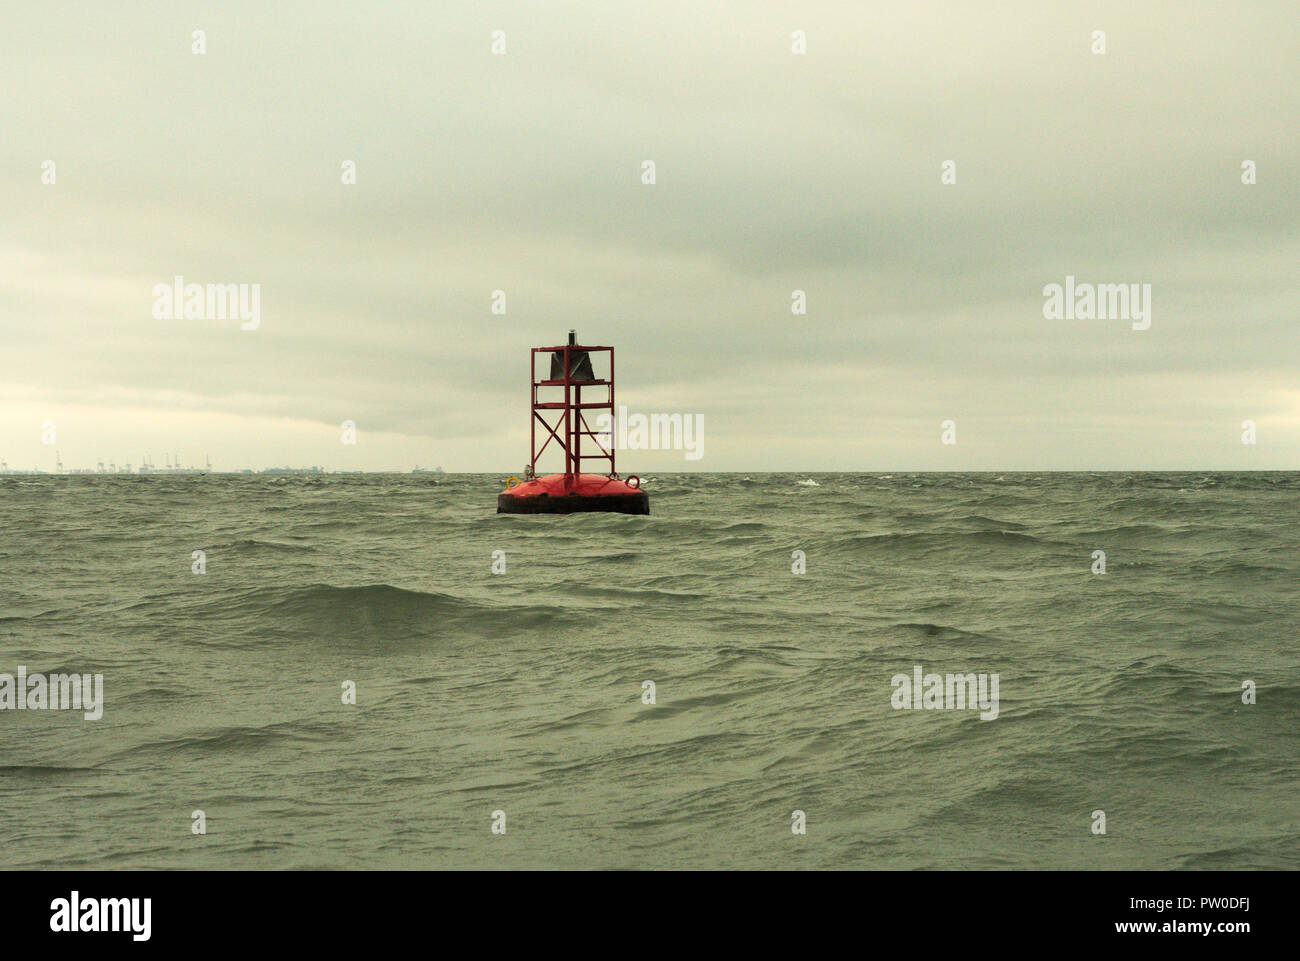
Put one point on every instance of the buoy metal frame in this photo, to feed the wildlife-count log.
(574, 490)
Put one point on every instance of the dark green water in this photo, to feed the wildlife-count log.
(522, 691)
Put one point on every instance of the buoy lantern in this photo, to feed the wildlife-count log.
(571, 370)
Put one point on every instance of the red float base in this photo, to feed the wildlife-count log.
(586, 492)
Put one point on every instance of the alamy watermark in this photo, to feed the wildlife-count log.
(53, 692)
(1098, 302)
(75, 914)
(938, 692)
(181, 301)
(683, 432)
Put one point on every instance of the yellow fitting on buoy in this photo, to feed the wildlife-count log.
(512, 482)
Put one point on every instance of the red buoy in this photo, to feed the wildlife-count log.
(574, 490)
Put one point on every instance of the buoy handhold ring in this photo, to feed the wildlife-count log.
(630, 479)
(512, 482)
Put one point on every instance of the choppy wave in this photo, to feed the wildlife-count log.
(501, 661)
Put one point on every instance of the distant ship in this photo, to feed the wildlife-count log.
(425, 470)
(292, 470)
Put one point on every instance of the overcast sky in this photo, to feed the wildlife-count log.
(774, 172)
